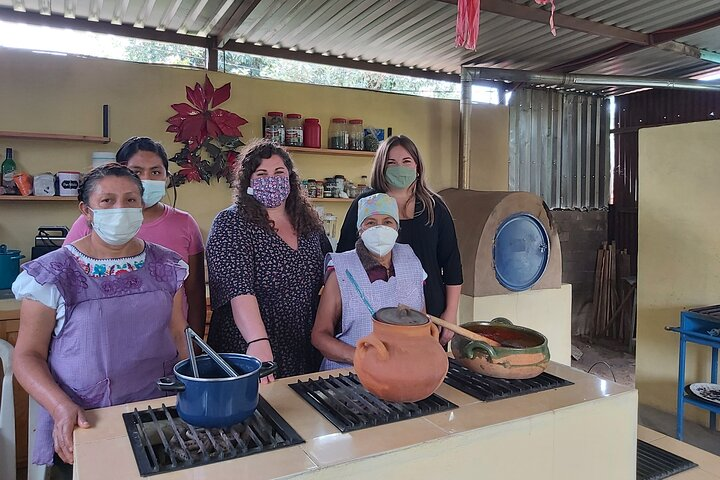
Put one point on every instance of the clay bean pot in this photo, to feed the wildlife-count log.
(527, 358)
(401, 360)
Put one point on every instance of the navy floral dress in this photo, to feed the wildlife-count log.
(246, 259)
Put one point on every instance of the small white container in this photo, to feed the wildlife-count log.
(68, 183)
(44, 185)
(101, 158)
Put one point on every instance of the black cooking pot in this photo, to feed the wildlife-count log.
(213, 399)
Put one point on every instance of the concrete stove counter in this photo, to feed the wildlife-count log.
(586, 430)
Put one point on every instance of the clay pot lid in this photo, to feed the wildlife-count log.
(401, 316)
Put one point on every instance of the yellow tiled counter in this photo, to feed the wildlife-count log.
(547, 435)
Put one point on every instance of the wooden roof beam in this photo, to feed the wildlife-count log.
(241, 12)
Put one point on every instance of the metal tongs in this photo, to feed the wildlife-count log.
(191, 336)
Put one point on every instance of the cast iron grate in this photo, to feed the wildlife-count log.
(654, 463)
(162, 442)
(487, 389)
(349, 406)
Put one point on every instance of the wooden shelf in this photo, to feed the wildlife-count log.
(54, 136)
(32, 198)
(331, 151)
(338, 200)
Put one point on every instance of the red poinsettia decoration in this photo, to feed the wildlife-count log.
(209, 135)
(194, 122)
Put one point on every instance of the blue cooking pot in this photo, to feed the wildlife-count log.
(9, 266)
(213, 399)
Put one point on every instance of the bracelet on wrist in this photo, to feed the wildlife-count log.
(258, 340)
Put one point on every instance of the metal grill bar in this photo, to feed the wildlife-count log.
(164, 440)
(152, 462)
(349, 406)
(488, 389)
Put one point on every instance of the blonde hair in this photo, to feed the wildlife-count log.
(419, 189)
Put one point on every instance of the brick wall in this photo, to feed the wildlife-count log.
(581, 234)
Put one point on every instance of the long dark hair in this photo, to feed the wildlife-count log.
(303, 217)
(90, 179)
(134, 145)
(421, 191)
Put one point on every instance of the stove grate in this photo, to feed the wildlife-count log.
(162, 442)
(488, 389)
(349, 406)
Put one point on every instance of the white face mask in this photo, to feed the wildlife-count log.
(153, 192)
(117, 226)
(379, 239)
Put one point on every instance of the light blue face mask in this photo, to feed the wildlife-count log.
(153, 192)
(117, 226)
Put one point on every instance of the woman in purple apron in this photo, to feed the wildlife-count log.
(387, 274)
(101, 319)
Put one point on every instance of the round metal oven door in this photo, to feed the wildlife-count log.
(520, 252)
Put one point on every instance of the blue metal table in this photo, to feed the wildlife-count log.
(694, 327)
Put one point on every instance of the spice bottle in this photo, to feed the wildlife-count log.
(311, 133)
(275, 128)
(294, 130)
(338, 138)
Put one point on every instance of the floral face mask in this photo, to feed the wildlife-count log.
(270, 191)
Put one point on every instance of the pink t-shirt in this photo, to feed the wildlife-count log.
(174, 229)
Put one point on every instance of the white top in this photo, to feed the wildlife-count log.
(25, 285)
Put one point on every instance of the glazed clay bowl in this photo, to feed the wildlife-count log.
(523, 352)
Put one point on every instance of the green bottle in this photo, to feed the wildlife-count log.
(8, 172)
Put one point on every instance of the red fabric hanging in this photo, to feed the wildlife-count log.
(467, 24)
(552, 14)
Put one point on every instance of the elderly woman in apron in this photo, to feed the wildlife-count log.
(101, 319)
(377, 273)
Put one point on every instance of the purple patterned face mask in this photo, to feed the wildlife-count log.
(270, 191)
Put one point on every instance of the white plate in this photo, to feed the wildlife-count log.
(709, 392)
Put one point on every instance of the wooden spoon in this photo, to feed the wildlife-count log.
(464, 331)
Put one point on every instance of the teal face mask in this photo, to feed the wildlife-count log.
(400, 177)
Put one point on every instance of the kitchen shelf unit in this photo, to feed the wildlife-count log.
(332, 151)
(33, 198)
(53, 136)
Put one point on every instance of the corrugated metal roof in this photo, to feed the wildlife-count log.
(418, 34)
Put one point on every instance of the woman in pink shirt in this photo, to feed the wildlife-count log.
(162, 224)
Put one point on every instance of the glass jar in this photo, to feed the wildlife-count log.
(356, 135)
(319, 189)
(311, 188)
(294, 130)
(339, 185)
(304, 187)
(275, 128)
(311, 133)
(338, 138)
(329, 191)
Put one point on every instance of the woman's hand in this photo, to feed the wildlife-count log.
(66, 417)
(262, 351)
(446, 335)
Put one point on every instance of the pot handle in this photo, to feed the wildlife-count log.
(434, 331)
(267, 368)
(170, 384)
(471, 348)
(372, 341)
(501, 321)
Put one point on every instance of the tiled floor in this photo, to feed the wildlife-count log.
(708, 464)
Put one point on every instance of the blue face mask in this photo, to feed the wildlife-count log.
(153, 192)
